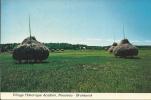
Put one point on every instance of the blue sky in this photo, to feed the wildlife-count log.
(91, 22)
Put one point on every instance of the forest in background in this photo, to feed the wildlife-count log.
(65, 46)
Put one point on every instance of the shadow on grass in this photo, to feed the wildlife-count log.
(43, 62)
(130, 57)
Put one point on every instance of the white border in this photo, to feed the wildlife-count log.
(67, 96)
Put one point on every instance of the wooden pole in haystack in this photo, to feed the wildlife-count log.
(114, 36)
(123, 32)
(29, 29)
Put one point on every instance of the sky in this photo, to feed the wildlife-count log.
(90, 22)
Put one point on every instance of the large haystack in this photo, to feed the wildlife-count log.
(125, 49)
(112, 47)
(30, 50)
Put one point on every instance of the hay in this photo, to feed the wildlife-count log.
(125, 49)
(61, 49)
(124, 41)
(29, 41)
(112, 47)
(114, 44)
(106, 48)
(52, 50)
(31, 50)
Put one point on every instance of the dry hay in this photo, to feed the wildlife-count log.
(112, 47)
(61, 49)
(125, 49)
(29, 50)
(124, 41)
(29, 40)
(106, 48)
(52, 50)
(114, 44)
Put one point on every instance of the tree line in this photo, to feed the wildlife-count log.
(59, 46)
(54, 46)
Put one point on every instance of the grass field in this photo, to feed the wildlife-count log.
(78, 71)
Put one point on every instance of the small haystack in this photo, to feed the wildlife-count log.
(112, 47)
(52, 50)
(106, 48)
(61, 49)
(30, 50)
(125, 49)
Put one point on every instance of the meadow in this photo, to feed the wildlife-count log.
(94, 71)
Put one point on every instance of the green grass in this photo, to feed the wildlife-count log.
(78, 71)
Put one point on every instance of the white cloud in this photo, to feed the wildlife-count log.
(139, 42)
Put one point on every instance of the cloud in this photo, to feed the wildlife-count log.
(92, 41)
(140, 42)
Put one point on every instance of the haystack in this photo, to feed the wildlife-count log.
(125, 49)
(112, 47)
(106, 48)
(30, 50)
